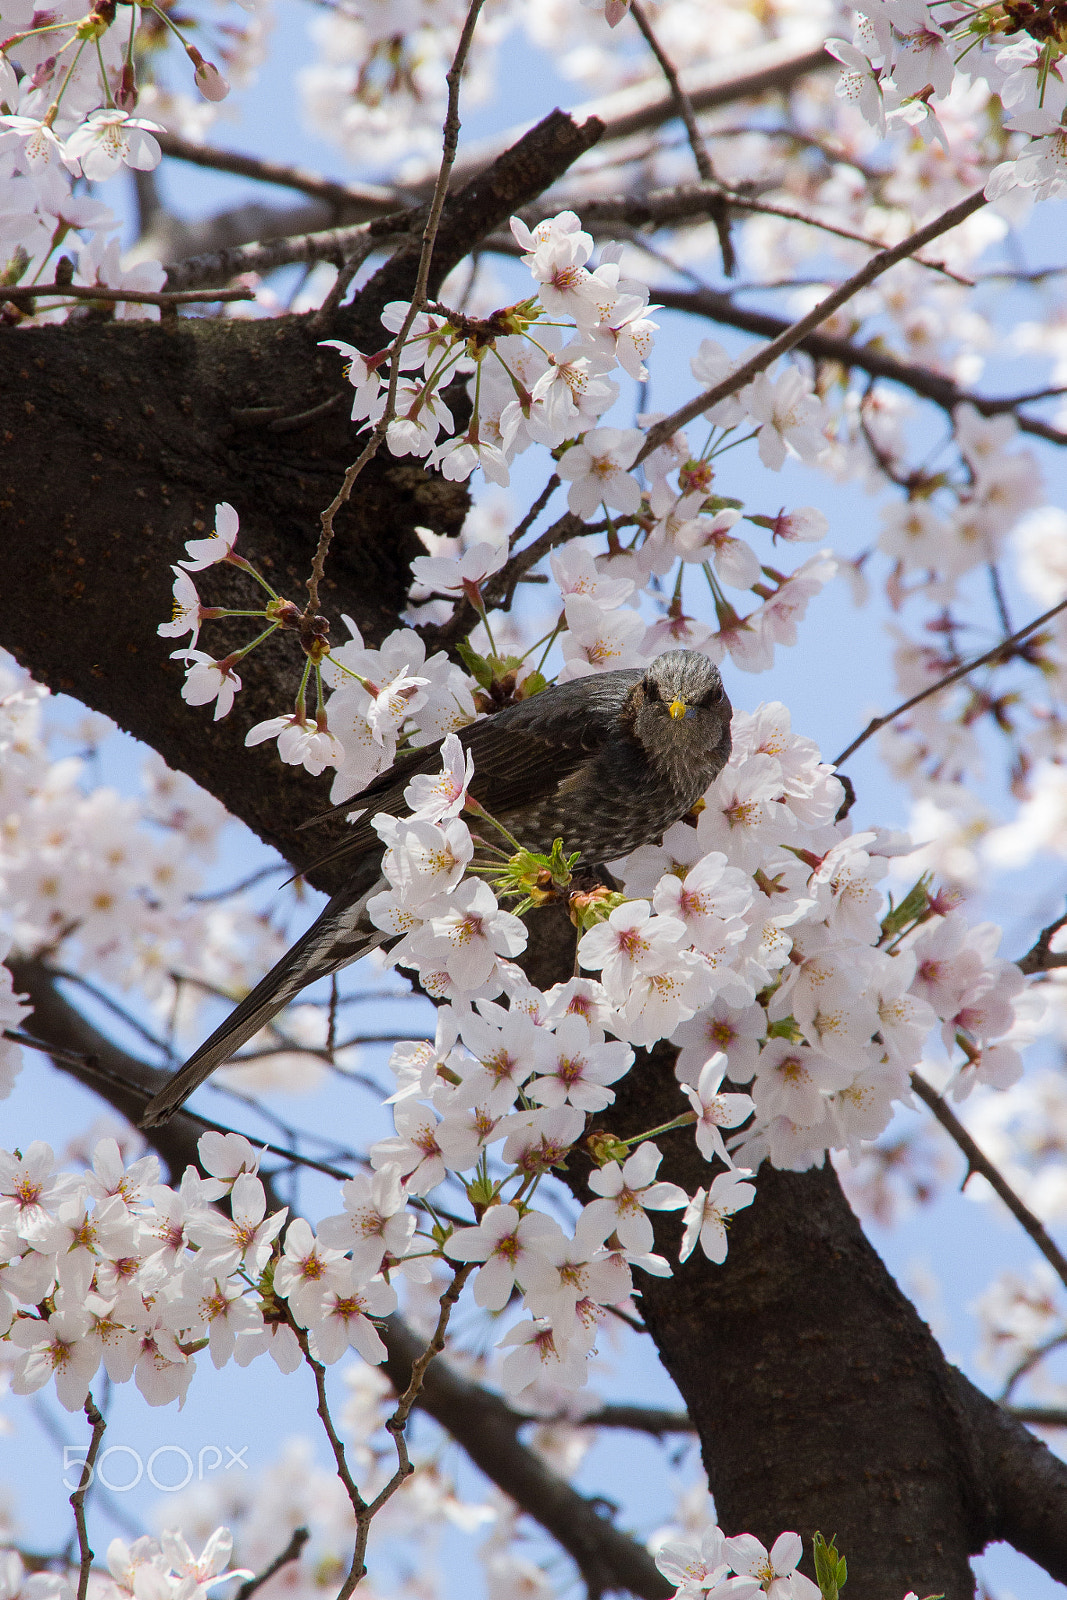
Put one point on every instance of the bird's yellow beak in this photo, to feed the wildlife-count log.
(678, 708)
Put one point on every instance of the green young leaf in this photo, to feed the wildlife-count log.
(532, 878)
(476, 665)
(911, 909)
(481, 1190)
(830, 1568)
(533, 684)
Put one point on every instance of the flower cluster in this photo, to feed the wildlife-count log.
(901, 59)
(164, 1567)
(70, 82)
(702, 1572)
(763, 949)
(125, 1272)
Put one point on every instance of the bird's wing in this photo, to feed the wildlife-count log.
(522, 755)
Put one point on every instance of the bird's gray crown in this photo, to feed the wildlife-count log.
(685, 675)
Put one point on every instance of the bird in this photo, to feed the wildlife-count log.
(605, 762)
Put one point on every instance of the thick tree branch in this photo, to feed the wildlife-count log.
(265, 255)
(1040, 958)
(28, 294)
(372, 198)
(769, 69)
(120, 440)
(803, 1366)
(1025, 1484)
(84, 1053)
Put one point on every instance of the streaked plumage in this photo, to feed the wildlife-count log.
(606, 763)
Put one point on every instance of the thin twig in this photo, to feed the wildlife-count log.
(716, 208)
(1030, 1360)
(322, 1406)
(1001, 649)
(146, 297)
(502, 583)
(324, 315)
(980, 1163)
(1041, 1416)
(523, 527)
(300, 419)
(418, 300)
(212, 896)
(92, 1067)
(682, 103)
(999, 598)
(19, 1036)
(104, 999)
(792, 335)
(397, 1424)
(1039, 958)
(768, 208)
(77, 1499)
(870, 357)
(655, 1420)
(282, 1559)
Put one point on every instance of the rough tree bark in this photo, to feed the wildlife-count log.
(820, 1397)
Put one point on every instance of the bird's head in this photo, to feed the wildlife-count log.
(680, 714)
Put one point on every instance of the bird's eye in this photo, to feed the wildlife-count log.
(714, 695)
(652, 689)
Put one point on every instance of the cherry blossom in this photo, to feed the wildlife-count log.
(107, 140)
(709, 1211)
(790, 415)
(628, 1191)
(207, 680)
(506, 1243)
(776, 1568)
(715, 1111)
(596, 471)
(202, 553)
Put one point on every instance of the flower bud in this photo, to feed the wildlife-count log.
(209, 79)
(126, 96)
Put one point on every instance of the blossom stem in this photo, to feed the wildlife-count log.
(163, 17)
(53, 110)
(246, 566)
(109, 98)
(239, 655)
(685, 1120)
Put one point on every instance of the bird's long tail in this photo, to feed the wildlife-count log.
(340, 935)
